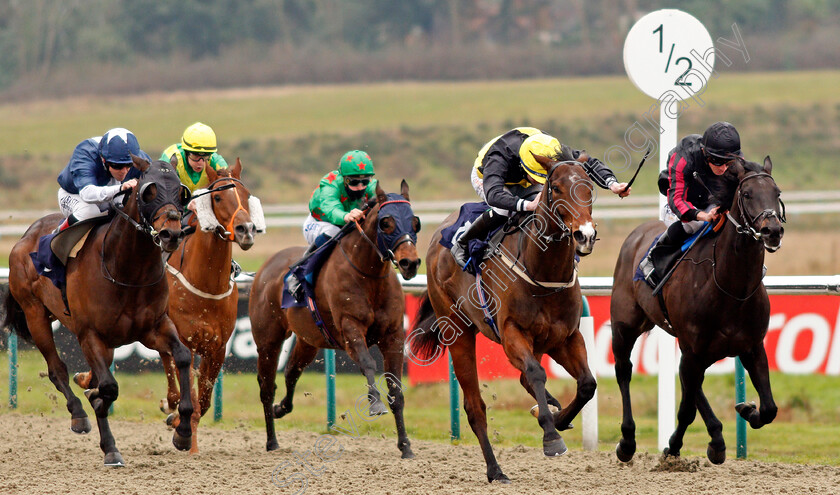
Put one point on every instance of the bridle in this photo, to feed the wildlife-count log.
(226, 231)
(388, 254)
(747, 225)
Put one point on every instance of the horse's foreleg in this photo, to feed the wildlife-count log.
(523, 380)
(691, 380)
(755, 363)
(208, 372)
(358, 351)
(99, 357)
(572, 356)
(392, 353)
(521, 355)
(622, 345)
(464, 362)
(42, 336)
(172, 392)
(166, 341)
(716, 451)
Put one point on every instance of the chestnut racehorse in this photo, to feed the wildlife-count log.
(532, 289)
(360, 300)
(715, 305)
(202, 294)
(116, 294)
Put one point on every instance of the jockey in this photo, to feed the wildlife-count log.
(99, 168)
(336, 201)
(196, 149)
(505, 175)
(695, 170)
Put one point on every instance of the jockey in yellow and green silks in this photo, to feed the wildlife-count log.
(196, 149)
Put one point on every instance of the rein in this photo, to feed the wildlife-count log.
(747, 227)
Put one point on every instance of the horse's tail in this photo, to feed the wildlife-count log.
(424, 335)
(14, 318)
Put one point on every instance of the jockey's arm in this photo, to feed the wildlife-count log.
(99, 194)
(333, 210)
(497, 195)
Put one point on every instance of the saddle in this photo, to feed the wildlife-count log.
(478, 250)
(54, 250)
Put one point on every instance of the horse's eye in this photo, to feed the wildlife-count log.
(555, 189)
(746, 195)
(217, 198)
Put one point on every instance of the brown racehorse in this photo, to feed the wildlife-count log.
(361, 302)
(537, 305)
(716, 305)
(202, 296)
(116, 294)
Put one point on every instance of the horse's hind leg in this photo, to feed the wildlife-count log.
(624, 337)
(464, 362)
(392, 353)
(755, 363)
(716, 451)
(572, 356)
(521, 356)
(99, 358)
(42, 337)
(691, 381)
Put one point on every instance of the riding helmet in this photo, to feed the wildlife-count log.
(722, 140)
(199, 138)
(541, 145)
(355, 162)
(117, 145)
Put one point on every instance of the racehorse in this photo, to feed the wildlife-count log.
(536, 300)
(361, 303)
(202, 296)
(116, 295)
(715, 304)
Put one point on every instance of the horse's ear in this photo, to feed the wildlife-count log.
(404, 190)
(211, 172)
(236, 170)
(542, 160)
(583, 157)
(768, 164)
(140, 163)
(173, 160)
(381, 197)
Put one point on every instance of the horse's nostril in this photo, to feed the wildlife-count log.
(579, 237)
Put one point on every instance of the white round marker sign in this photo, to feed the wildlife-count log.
(668, 54)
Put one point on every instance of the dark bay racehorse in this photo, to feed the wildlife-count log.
(537, 305)
(360, 300)
(716, 306)
(116, 294)
(202, 296)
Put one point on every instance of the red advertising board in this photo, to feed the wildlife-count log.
(803, 337)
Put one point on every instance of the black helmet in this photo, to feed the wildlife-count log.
(721, 140)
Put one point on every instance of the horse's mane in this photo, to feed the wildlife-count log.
(729, 181)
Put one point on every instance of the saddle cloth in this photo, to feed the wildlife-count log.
(50, 258)
(663, 258)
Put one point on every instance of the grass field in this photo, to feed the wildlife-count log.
(805, 431)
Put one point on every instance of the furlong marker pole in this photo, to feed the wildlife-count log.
(13, 364)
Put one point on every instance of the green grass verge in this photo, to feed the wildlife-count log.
(805, 431)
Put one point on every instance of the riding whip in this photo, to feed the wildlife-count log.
(647, 153)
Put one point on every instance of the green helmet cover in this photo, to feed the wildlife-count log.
(355, 162)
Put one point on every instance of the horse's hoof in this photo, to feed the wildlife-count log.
(80, 425)
(744, 409)
(114, 459)
(667, 452)
(716, 456)
(82, 379)
(378, 409)
(499, 478)
(624, 453)
(181, 442)
(407, 454)
(171, 420)
(554, 448)
(567, 426)
(164, 407)
(279, 411)
(271, 445)
(535, 411)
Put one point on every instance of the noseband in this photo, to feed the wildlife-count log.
(748, 224)
(226, 231)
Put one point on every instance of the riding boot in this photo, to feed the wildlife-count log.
(292, 282)
(670, 240)
(65, 223)
(479, 229)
